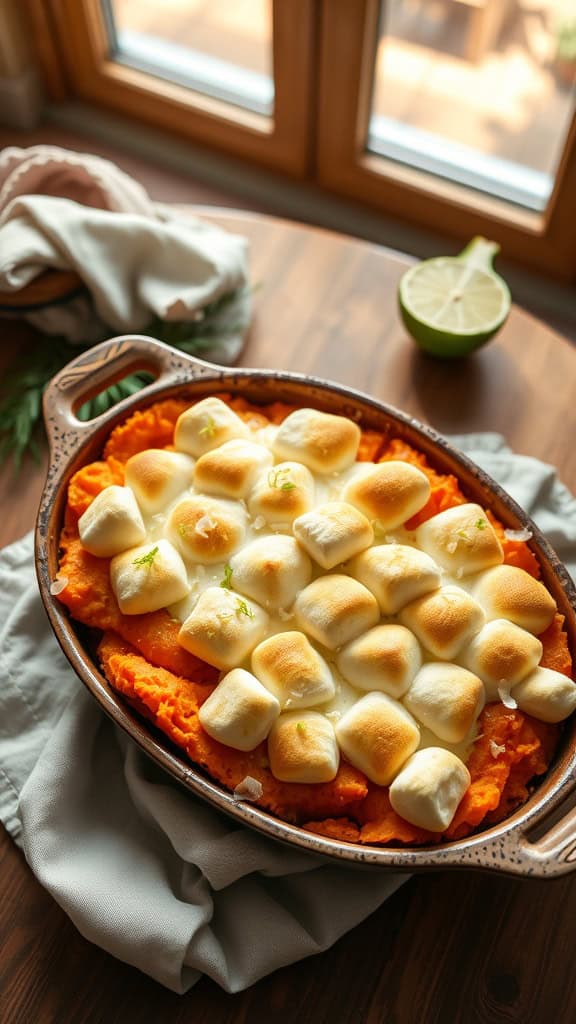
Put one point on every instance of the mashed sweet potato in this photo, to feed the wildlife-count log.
(143, 662)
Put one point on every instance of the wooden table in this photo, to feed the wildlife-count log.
(448, 947)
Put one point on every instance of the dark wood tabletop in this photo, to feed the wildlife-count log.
(448, 947)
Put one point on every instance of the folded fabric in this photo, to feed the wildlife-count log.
(137, 260)
(144, 869)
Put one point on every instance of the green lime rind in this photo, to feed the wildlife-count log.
(444, 344)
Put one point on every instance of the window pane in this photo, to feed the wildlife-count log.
(216, 47)
(477, 91)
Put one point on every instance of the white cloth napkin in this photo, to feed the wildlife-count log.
(138, 260)
(145, 870)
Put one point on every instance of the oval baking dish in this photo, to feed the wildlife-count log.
(535, 840)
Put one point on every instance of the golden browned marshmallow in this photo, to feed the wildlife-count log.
(157, 477)
(240, 712)
(148, 577)
(111, 523)
(377, 735)
(507, 592)
(335, 609)
(223, 627)
(293, 671)
(333, 532)
(207, 425)
(396, 574)
(429, 788)
(547, 695)
(302, 748)
(385, 658)
(501, 654)
(390, 493)
(231, 469)
(325, 443)
(273, 570)
(206, 530)
(447, 699)
(461, 540)
(444, 621)
(282, 493)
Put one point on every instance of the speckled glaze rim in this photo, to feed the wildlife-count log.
(539, 839)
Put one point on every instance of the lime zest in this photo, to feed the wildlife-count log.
(148, 558)
(275, 479)
(226, 582)
(209, 429)
(244, 609)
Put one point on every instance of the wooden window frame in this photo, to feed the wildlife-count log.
(281, 141)
(348, 41)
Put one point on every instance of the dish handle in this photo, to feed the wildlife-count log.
(105, 364)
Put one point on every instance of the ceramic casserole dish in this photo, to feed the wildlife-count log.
(538, 839)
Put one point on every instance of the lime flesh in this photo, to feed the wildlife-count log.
(453, 304)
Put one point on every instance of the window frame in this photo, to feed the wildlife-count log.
(280, 142)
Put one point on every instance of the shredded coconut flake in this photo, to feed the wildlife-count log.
(249, 789)
(334, 716)
(451, 547)
(518, 534)
(496, 749)
(284, 615)
(459, 572)
(58, 585)
(506, 697)
(259, 522)
(204, 525)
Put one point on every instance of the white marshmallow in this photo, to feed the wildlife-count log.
(281, 494)
(444, 621)
(207, 425)
(429, 788)
(293, 671)
(273, 570)
(447, 699)
(547, 695)
(396, 574)
(240, 712)
(223, 627)
(385, 658)
(325, 443)
(111, 523)
(157, 477)
(231, 469)
(507, 592)
(461, 540)
(335, 609)
(390, 492)
(206, 530)
(501, 654)
(302, 748)
(377, 735)
(333, 532)
(148, 577)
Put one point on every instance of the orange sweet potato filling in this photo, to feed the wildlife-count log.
(144, 662)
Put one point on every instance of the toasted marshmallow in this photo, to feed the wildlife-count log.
(547, 695)
(282, 493)
(325, 443)
(390, 493)
(148, 577)
(333, 532)
(396, 574)
(206, 530)
(507, 592)
(429, 788)
(335, 609)
(447, 699)
(302, 748)
(385, 658)
(273, 570)
(231, 469)
(444, 621)
(223, 627)
(240, 712)
(157, 477)
(461, 540)
(111, 523)
(501, 654)
(377, 735)
(293, 671)
(207, 425)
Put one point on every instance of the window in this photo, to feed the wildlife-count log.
(456, 115)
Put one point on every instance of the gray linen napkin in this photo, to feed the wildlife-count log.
(145, 870)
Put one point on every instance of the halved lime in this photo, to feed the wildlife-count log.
(453, 304)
